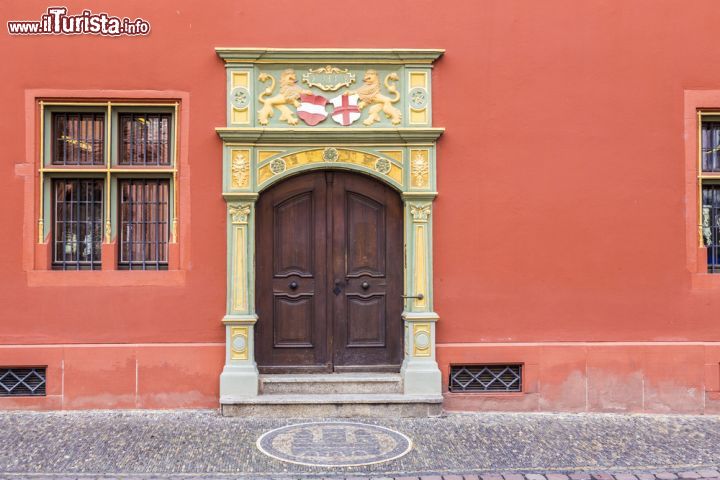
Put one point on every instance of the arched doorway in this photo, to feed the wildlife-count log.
(329, 274)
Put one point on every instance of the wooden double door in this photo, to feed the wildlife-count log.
(329, 275)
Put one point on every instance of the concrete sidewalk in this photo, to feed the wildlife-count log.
(203, 444)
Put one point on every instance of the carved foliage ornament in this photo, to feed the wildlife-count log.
(419, 167)
(420, 213)
(239, 212)
(240, 170)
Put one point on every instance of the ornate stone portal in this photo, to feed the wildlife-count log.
(290, 111)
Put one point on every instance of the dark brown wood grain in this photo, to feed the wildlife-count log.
(329, 258)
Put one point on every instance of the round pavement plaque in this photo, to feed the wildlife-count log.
(334, 444)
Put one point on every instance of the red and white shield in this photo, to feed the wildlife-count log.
(346, 110)
(312, 109)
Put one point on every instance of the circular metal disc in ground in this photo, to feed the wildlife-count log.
(334, 444)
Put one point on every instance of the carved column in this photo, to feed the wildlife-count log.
(240, 375)
(421, 374)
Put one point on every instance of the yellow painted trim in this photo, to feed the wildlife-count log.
(239, 294)
(420, 268)
(108, 166)
(420, 330)
(239, 332)
(420, 168)
(103, 104)
(175, 137)
(41, 209)
(239, 168)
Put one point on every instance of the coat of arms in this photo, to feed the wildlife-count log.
(346, 109)
(312, 109)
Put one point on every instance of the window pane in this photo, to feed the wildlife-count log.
(144, 139)
(77, 223)
(78, 138)
(144, 227)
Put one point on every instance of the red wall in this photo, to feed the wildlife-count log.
(561, 216)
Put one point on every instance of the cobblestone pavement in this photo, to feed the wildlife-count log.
(203, 445)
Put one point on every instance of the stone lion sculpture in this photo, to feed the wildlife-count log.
(289, 93)
(370, 93)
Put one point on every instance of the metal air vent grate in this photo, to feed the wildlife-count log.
(22, 382)
(485, 378)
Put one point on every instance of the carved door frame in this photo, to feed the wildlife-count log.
(256, 157)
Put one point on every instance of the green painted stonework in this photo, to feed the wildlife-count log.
(401, 155)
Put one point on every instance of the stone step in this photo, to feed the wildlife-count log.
(333, 383)
(339, 405)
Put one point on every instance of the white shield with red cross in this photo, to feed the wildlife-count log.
(346, 110)
(312, 109)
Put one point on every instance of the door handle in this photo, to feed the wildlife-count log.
(419, 296)
(293, 285)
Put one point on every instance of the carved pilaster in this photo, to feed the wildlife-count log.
(240, 375)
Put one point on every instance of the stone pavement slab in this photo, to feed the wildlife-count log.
(203, 445)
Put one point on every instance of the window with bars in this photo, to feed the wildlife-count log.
(78, 138)
(709, 184)
(77, 223)
(109, 172)
(144, 223)
(144, 139)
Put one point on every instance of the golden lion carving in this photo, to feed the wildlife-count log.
(289, 93)
(370, 94)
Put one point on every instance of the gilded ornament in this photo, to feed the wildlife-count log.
(289, 93)
(329, 78)
(240, 170)
(420, 213)
(419, 167)
(239, 342)
(239, 213)
(382, 165)
(330, 154)
(277, 166)
(422, 339)
(370, 94)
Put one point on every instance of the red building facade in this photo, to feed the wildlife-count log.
(573, 228)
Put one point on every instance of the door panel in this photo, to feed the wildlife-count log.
(291, 280)
(367, 258)
(293, 320)
(293, 239)
(329, 260)
(365, 321)
(365, 236)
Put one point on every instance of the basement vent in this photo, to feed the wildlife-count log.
(22, 382)
(485, 378)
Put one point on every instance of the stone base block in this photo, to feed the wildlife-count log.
(337, 406)
(239, 381)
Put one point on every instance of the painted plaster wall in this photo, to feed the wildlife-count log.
(561, 216)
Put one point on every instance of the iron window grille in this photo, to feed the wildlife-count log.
(78, 138)
(709, 207)
(144, 225)
(90, 152)
(77, 223)
(22, 382)
(485, 378)
(144, 139)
